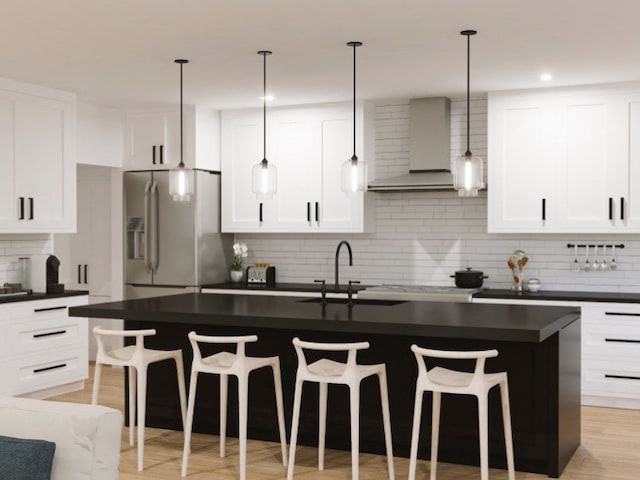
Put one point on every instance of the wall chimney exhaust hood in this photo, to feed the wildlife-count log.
(430, 157)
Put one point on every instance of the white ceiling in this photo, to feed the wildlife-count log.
(121, 52)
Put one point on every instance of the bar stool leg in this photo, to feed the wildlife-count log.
(181, 389)
(243, 394)
(435, 433)
(133, 375)
(322, 423)
(277, 384)
(224, 386)
(484, 430)
(97, 376)
(506, 421)
(142, 406)
(386, 420)
(295, 419)
(187, 431)
(354, 398)
(415, 433)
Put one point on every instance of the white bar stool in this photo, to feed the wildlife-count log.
(137, 359)
(239, 365)
(442, 380)
(326, 371)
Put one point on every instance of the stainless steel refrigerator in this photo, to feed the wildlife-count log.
(172, 247)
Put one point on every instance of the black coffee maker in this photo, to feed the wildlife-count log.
(44, 274)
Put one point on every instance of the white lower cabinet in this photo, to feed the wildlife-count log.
(611, 354)
(44, 351)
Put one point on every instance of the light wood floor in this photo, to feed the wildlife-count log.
(610, 451)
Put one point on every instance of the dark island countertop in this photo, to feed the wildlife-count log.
(28, 297)
(560, 296)
(517, 323)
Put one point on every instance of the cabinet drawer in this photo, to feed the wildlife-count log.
(40, 308)
(611, 377)
(47, 370)
(45, 334)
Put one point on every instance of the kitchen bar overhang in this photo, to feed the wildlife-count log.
(539, 347)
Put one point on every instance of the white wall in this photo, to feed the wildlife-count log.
(423, 237)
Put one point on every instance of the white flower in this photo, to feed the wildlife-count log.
(240, 249)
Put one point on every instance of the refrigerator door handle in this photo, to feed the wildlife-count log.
(147, 226)
(154, 227)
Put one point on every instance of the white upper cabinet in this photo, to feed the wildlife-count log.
(153, 139)
(37, 159)
(308, 145)
(561, 161)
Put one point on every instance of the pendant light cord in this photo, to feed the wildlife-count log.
(354, 99)
(181, 109)
(264, 107)
(468, 152)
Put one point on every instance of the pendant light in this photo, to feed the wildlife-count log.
(354, 171)
(264, 178)
(181, 178)
(468, 178)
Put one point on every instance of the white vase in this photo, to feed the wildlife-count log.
(236, 275)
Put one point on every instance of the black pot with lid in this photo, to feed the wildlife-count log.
(469, 278)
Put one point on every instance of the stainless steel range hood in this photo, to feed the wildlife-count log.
(430, 160)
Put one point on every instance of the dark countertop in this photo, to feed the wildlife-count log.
(285, 287)
(40, 296)
(564, 296)
(518, 323)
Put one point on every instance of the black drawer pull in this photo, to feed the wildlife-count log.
(79, 274)
(21, 217)
(161, 154)
(622, 314)
(86, 268)
(544, 209)
(622, 377)
(317, 211)
(621, 340)
(260, 212)
(153, 154)
(31, 214)
(621, 208)
(610, 208)
(57, 332)
(308, 211)
(49, 308)
(52, 367)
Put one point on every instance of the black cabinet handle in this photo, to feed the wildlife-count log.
(153, 154)
(53, 367)
(31, 214)
(317, 211)
(21, 217)
(621, 208)
(49, 334)
(610, 208)
(260, 212)
(622, 314)
(86, 270)
(623, 377)
(544, 209)
(308, 211)
(161, 154)
(49, 309)
(79, 273)
(621, 340)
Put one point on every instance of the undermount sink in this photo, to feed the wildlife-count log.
(345, 301)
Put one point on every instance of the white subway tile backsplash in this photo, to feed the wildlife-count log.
(13, 246)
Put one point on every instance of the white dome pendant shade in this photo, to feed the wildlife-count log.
(468, 177)
(181, 178)
(264, 176)
(354, 171)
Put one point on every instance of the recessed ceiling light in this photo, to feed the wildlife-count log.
(268, 98)
(545, 77)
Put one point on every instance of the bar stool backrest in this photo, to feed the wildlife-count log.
(240, 342)
(350, 348)
(479, 356)
(104, 356)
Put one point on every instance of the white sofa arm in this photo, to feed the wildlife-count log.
(87, 437)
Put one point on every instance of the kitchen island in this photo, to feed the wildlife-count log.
(539, 347)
